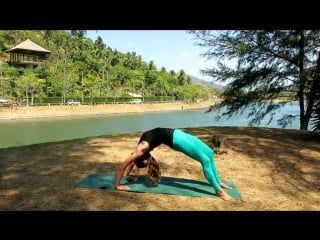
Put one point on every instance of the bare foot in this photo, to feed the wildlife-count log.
(222, 184)
(225, 196)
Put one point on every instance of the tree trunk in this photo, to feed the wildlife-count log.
(312, 95)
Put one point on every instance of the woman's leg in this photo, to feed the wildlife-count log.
(198, 150)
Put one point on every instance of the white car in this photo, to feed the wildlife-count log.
(72, 102)
(136, 101)
(5, 100)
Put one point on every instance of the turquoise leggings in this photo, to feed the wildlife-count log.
(198, 150)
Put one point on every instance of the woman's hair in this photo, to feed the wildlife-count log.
(154, 173)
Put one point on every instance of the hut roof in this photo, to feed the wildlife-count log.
(29, 45)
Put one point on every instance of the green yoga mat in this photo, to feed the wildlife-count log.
(167, 185)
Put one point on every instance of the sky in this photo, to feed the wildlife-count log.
(172, 49)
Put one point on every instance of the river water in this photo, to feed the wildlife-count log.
(32, 131)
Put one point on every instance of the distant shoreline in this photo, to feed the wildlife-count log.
(82, 110)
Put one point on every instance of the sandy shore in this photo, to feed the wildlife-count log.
(64, 111)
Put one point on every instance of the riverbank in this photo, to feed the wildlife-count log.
(273, 169)
(65, 111)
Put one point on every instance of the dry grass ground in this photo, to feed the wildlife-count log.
(274, 169)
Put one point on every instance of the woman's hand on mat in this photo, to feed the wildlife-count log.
(132, 179)
(122, 187)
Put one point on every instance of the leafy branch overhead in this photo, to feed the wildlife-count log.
(265, 69)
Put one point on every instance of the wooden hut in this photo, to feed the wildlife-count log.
(27, 54)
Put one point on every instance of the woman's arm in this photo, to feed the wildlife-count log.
(129, 169)
(122, 168)
(127, 174)
(129, 162)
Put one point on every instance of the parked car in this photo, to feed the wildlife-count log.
(73, 102)
(5, 100)
(136, 101)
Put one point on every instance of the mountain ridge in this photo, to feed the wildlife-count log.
(208, 83)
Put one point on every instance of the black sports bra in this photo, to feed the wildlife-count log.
(158, 136)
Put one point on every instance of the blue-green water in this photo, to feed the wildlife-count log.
(32, 131)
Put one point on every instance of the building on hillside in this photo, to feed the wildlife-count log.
(135, 95)
(136, 98)
(27, 54)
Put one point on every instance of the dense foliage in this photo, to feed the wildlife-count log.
(89, 71)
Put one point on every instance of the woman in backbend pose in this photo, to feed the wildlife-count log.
(179, 141)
